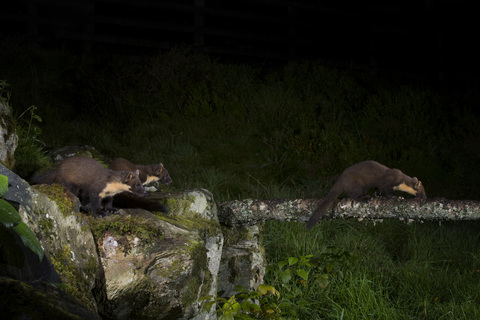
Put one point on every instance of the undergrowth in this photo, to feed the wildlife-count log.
(244, 131)
(391, 271)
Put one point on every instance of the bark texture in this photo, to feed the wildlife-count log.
(253, 211)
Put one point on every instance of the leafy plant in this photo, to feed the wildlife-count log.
(243, 304)
(10, 218)
(29, 153)
(294, 277)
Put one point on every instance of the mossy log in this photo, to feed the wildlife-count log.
(252, 211)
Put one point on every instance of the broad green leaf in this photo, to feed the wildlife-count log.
(292, 260)
(29, 239)
(303, 274)
(286, 276)
(9, 217)
(323, 281)
(11, 252)
(255, 307)
(265, 288)
(3, 185)
(231, 305)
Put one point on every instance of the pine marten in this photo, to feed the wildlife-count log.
(148, 173)
(94, 184)
(356, 180)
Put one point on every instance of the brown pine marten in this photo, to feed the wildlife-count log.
(94, 184)
(356, 180)
(148, 173)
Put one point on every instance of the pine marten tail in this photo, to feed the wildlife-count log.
(329, 199)
(44, 178)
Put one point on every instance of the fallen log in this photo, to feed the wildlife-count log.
(254, 211)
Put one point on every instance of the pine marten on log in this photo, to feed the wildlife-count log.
(356, 180)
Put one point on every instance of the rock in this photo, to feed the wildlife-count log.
(138, 264)
(8, 136)
(243, 260)
(21, 263)
(59, 154)
(160, 265)
(39, 300)
(66, 240)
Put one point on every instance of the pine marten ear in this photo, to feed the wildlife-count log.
(131, 175)
(159, 169)
(417, 183)
(421, 190)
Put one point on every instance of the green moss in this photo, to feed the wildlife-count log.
(125, 225)
(181, 204)
(63, 199)
(192, 223)
(46, 225)
(241, 233)
(200, 275)
(75, 284)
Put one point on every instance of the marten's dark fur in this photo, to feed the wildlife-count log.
(94, 184)
(148, 173)
(356, 180)
(128, 200)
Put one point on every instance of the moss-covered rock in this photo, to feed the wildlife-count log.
(243, 259)
(8, 136)
(160, 273)
(64, 237)
(137, 264)
(39, 300)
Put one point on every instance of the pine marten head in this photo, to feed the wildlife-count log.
(132, 180)
(412, 186)
(160, 174)
(123, 181)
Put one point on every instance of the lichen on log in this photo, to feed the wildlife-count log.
(253, 211)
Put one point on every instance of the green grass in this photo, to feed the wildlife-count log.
(243, 131)
(395, 270)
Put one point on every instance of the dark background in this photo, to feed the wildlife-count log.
(436, 39)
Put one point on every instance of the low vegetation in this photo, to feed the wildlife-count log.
(257, 131)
